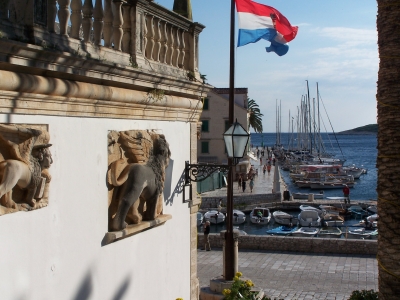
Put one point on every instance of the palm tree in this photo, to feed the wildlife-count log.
(388, 103)
(255, 120)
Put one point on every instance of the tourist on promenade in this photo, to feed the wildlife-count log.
(264, 169)
(260, 160)
(240, 182)
(219, 204)
(243, 185)
(346, 194)
(206, 230)
(269, 168)
(251, 184)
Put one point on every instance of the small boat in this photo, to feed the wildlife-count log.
(308, 207)
(283, 218)
(306, 195)
(260, 215)
(372, 209)
(200, 218)
(330, 209)
(214, 216)
(238, 217)
(330, 232)
(331, 185)
(334, 220)
(359, 233)
(306, 231)
(282, 230)
(241, 232)
(309, 218)
(374, 235)
(357, 210)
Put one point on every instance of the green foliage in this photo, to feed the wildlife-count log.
(133, 63)
(364, 295)
(155, 95)
(240, 289)
(191, 76)
(255, 115)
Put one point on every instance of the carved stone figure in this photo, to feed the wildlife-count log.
(137, 177)
(24, 162)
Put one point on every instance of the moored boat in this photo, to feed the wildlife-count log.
(214, 216)
(306, 231)
(282, 230)
(309, 218)
(332, 220)
(358, 233)
(283, 218)
(330, 232)
(372, 209)
(330, 185)
(306, 195)
(309, 207)
(238, 217)
(357, 210)
(260, 215)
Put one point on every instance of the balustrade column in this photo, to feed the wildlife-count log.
(98, 22)
(151, 33)
(126, 38)
(117, 24)
(164, 44)
(172, 46)
(178, 44)
(76, 18)
(108, 19)
(158, 40)
(144, 34)
(51, 15)
(87, 21)
(182, 60)
(63, 15)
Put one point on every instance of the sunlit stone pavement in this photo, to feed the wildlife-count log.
(297, 275)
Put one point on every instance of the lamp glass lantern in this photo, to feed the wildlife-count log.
(236, 139)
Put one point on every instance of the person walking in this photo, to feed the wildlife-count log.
(240, 182)
(251, 184)
(243, 185)
(269, 168)
(206, 230)
(264, 169)
(346, 194)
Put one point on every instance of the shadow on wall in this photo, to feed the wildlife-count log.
(178, 190)
(86, 289)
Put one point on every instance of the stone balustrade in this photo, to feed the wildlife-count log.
(243, 201)
(298, 244)
(152, 37)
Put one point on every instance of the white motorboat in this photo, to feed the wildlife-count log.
(238, 217)
(283, 218)
(308, 207)
(374, 235)
(330, 232)
(331, 185)
(200, 218)
(214, 216)
(306, 231)
(260, 215)
(358, 233)
(330, 209)
(309, 218)
(332, 220)
(306, 195)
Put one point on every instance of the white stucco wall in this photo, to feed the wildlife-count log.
(56, 253)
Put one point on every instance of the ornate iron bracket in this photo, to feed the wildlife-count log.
(199, 172)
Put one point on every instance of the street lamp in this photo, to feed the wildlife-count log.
(236, 139)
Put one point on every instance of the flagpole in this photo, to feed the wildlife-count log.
(229, 256)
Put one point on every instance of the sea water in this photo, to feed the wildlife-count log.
(356, 149)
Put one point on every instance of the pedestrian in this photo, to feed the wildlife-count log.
(346, 194)
(240, 182)
(206, 230)
(243, 185)
(251, 184)
(264, 169)
(261, 160)
(219, 204)
(269, 168)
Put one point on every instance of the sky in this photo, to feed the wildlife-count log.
(336, 46)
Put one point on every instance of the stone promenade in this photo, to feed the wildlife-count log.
(297, 275)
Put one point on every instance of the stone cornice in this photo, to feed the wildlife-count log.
(32, 94)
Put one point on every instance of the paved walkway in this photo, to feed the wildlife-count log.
(297, 275)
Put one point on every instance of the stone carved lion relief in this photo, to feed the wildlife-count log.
(136, 174)
(24, 162)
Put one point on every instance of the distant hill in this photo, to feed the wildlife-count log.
(367, 129)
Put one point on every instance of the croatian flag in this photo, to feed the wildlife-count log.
(258, 21)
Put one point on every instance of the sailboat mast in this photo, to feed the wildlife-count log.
(309, 115)
(319, 126)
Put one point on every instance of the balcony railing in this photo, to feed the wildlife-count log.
(148, 35)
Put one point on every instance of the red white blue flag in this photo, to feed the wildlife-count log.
(258, 21)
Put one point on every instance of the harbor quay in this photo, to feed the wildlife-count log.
(289, 267)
